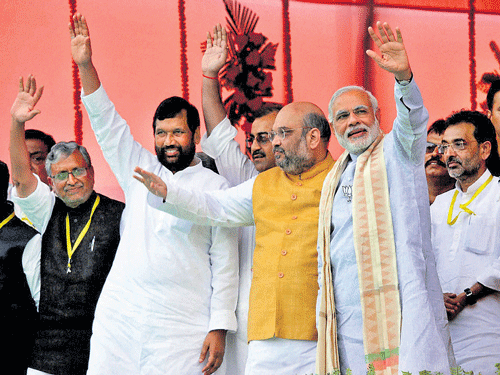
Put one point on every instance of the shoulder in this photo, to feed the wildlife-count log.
(111, 203)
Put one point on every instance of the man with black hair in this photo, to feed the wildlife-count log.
(17, 308)
(465, 238)
(438, 179)
(171, 295)
(493, 102)
(80, 234)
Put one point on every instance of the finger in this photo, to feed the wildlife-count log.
(209, 40)
(381, 30)
(374, 56)
(27, 87)
(389, 32)
(374, 37)
(209, 367)
(399, 35)
(32, 86)
(84, 26)
(21, 84)
(140, 179)
(203, 354)
(219, 34)
(38, 95)
(224, 34)
(71, 31)
(33, 113)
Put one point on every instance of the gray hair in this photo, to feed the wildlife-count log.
(62, 150)
(345, 89)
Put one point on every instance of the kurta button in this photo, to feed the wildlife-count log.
(288, 231)
(294, 217)
(280, 275)
(294, 196)
(283, 252)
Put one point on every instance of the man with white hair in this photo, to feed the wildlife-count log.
(380, 302)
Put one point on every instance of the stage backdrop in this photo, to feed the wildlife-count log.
(137, 52)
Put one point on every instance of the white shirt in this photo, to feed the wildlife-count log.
(236, 167)
(172, 281)
(424, 341)
(468, 252)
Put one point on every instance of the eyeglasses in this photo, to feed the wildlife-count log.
(429, 149)
(76, 172)
(361, 112)
(282, 132)
(261, 138)
(458, 145)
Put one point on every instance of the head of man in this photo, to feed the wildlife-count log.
(493, 102)
(176, 126)
(435, 166)
(70, 173)
(354, 115)
(469, 146)
(300, 137)
(258, 144)
(39, 145)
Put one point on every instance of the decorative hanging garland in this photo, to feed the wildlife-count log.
(184, 64)
(287, 55)
(76, 87)
(472, 55)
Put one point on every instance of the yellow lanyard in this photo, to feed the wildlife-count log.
(71, 249)
(7, 219)
(464, 206)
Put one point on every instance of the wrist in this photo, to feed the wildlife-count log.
(404, 77)
(470, 298)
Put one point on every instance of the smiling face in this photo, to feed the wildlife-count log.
(434, 161)
(354, 122)
(175, 144)
(261, 147)
(74, 190)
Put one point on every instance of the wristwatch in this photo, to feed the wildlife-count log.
(470, 298)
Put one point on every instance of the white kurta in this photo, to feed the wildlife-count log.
(172, 281)
(425, 343)
(468, 252)
(236, 167)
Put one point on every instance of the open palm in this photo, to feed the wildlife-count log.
(216, 53)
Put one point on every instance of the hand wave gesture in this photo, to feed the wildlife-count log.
(80, 40)
(216, 54)
(23, 108)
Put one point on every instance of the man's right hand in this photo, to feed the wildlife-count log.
(23, 108)
(80, 40)
(216, 53)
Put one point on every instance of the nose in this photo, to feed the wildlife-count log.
(276, 141)
(169, 139)
(353, 119)
(71, 179)
(436, 152)
(255, 145)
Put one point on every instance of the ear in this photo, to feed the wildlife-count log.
(51, 181)
(485, 150)
(314, 138)
(489, 114)
(377, 114)
(197, 136)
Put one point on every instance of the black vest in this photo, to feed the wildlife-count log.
(18, 313)
(68, 300)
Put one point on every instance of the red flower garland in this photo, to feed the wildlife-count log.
(472, 55)
(184, 64)
(76, 87)
(287, 55)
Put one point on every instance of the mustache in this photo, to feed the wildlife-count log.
(258, 152)
(357, 128)
(69, 186)
(452, 159)
(277, 148)
(438, 161)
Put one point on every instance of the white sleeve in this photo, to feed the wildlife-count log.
(231, 163)
(31, 266)
(113, 134)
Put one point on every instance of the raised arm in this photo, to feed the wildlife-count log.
(393, 56)
(212, 62)
(82, 54)
(23, 110)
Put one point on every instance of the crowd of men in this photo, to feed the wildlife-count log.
(284, 263)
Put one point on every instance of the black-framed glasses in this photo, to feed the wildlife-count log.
(283, 132)
(76, 172)
(262, 138)
(457, 145)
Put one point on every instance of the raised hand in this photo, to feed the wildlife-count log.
(80, 40)
(393, 56)
(216, 53)
(152, 182)
(23, 108)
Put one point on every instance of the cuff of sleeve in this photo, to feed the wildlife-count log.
(491, 278)
(96, 102)
(220, 137)
(223, 319)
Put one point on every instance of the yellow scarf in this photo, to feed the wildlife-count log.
(376, 259)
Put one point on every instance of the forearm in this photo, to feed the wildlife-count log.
(23, 178)
(89, 78)
(213, 109)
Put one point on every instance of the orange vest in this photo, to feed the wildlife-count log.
(285, 261)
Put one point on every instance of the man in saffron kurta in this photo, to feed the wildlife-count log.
(283, 204)
(379, 300)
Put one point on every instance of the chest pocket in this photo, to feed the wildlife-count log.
(481, 235)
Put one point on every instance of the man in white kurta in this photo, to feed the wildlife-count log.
(424, 337)
(173, 287)
(468, 251)
(219, 143)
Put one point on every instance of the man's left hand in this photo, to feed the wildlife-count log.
(215, 344)
(393, 56)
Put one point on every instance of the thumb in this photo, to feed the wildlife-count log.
(204, 351)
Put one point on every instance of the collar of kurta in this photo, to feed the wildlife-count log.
(315, 170)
